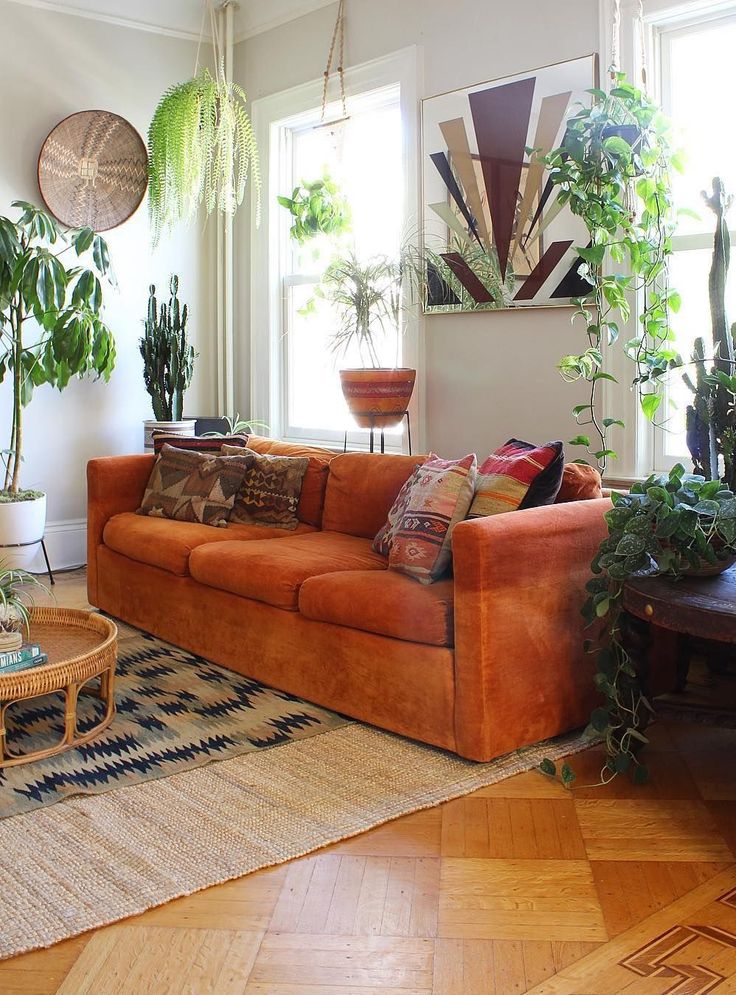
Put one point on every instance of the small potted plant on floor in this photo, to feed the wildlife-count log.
(15, 601)
(51, 330)
(168, 364)
(367, 299)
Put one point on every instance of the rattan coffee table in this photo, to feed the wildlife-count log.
(82, 651)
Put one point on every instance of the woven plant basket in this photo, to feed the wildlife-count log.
(93, 170)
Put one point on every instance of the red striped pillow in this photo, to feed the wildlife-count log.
(518, 475)
(196, 443)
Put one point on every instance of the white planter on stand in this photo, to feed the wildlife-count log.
(22, 525)
(186, 426)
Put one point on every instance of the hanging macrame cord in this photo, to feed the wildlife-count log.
(338, 37)
(615, 66)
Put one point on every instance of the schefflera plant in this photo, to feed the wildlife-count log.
(613, 171)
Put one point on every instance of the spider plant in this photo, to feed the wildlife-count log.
(367, 298)
(15, 598)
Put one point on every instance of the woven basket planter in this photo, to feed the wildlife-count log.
(378, 398)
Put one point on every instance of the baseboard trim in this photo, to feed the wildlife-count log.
(66, 545)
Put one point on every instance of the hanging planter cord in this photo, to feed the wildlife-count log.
(338, 36)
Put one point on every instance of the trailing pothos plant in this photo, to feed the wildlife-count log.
(317, 208)
(669, 524)
(51, 326)
(613, 172)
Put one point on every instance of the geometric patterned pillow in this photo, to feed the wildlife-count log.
(270, 491)
(194, 487)
(196, 443)
(518, 475)
(440, 497)
(384, 538)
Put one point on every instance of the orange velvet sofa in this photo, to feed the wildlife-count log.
(481, 663)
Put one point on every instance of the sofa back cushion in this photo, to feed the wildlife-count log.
(361, 487)
(312, 497)
(580, 482)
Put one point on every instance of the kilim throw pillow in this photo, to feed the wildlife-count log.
(440, 497)
(518, 475)
(385, 536)
(270, 491)
(197, 443)
(194, 487)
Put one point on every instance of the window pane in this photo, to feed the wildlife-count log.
(701, 75)
(365, 158)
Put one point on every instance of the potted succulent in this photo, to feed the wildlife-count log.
(711, 417)
(15, 601)
(675, 524)
(51, 330)
(168, 364)
(367, 298)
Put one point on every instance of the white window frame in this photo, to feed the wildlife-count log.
(637, 446)
(270, 242)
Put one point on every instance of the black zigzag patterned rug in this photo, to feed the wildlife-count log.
(175, 711)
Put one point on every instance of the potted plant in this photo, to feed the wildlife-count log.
(168, 364)
(673, 524)
(317, 208)
(51, 330)
(613, 171)
(15, 601)
(367, 299)
(711, 417)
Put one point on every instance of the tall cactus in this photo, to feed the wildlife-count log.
(711, 418)
(168, 359)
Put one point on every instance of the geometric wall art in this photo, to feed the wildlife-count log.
(493, 233)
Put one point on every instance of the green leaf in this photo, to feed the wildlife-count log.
(567, 775)
(650, 404)
(579, 440)
(630, 545)
(547, 767)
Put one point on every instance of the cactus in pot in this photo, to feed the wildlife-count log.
(711, 417)
(168, 358)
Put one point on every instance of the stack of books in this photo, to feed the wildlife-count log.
(29, 655)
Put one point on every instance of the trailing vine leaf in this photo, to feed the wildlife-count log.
(622, 192)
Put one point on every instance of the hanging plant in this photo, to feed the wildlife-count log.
(317, 208)
(201, 148)
(613, 172)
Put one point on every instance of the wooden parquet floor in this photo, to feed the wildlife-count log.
(520, 887)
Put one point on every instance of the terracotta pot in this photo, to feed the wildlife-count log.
(377, 398)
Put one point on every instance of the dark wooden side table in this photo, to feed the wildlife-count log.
(693, 607)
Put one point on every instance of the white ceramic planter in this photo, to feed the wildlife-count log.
(185, 427)
(22, 524)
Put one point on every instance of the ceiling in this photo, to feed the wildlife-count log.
(184, 17)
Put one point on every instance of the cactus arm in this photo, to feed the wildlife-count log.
(168, 359)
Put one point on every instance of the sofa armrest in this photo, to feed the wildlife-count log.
(520, 671)
(114, 484)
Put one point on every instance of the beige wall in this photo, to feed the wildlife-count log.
(52, 65)
(487, 376)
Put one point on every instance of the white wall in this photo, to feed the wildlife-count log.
(488, 376)
(52, 65)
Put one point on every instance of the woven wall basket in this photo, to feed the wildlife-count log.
(93, 170)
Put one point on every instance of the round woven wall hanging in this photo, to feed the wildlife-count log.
(93, 170)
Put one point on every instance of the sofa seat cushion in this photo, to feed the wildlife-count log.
(161, 542)
(273, 572)
(390, 604)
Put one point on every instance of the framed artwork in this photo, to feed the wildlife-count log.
(493, 233)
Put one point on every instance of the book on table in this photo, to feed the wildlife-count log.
(29, 655)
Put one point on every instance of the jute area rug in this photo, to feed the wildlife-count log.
(90, 860)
